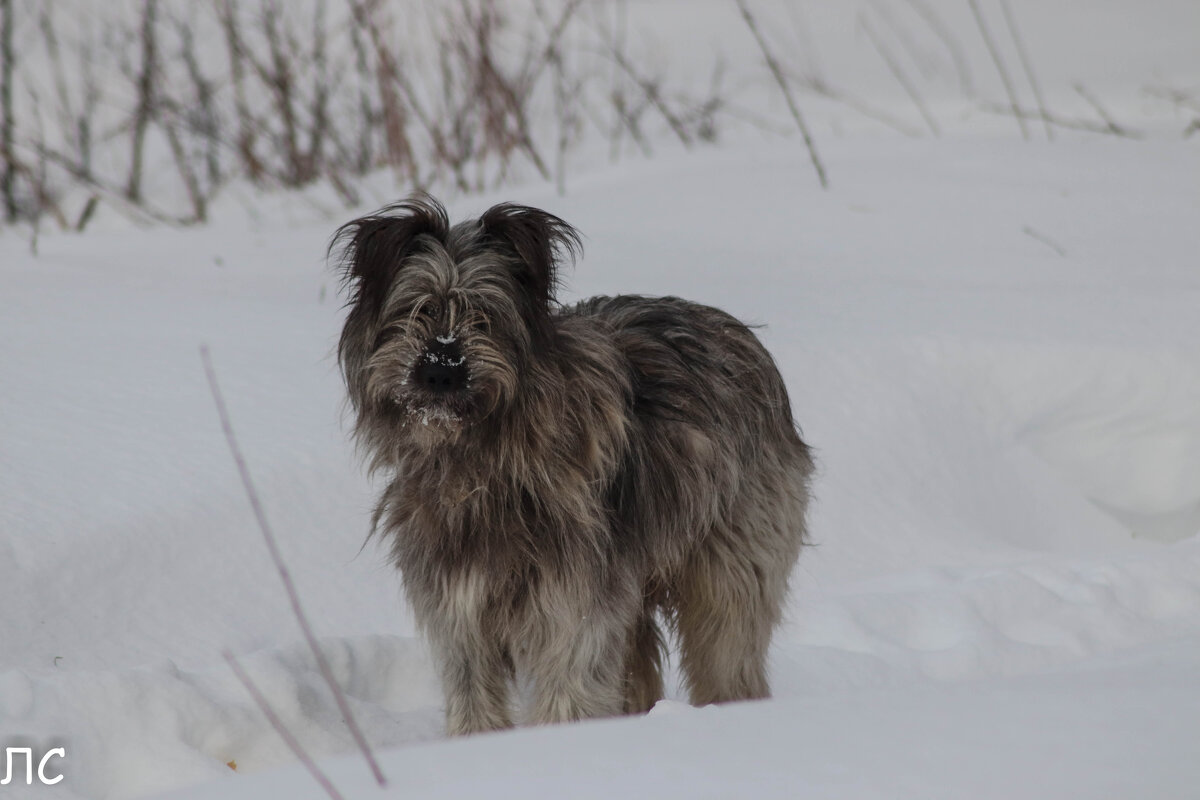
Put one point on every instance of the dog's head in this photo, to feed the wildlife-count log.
(444, 320)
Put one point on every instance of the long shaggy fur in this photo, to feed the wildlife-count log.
(593, 470)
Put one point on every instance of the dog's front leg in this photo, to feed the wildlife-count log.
(469, 650)
(475, 681)
(578, 668)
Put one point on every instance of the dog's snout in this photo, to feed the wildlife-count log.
(441, 378)
(441, 368)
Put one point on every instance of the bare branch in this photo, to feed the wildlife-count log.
(145, 98)
(919, 58)
(7, 63)
(781, 79)
(840, 96)
(901, 77)
(1062, 122)
(1109, 122)
(1044, 239)
(227, 13)
(952, 45)
(566, 96)
(140, 213)
(191, 181)
(204, 121)
(1026, 65)
(389, 78)
(1178, 97)
(1000, 68)
(650, 88)
(85, 216)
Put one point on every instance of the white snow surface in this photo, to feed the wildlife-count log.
(993, 346)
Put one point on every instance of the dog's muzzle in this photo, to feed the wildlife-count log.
(442, 368)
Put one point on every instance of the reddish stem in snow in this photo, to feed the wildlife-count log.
(291, 741)
(293, 596)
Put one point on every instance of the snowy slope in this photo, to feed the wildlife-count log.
(992, 344)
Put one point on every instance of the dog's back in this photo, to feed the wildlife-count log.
(695, 364)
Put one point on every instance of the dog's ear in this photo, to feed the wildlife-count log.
(373, 247)
(539, 240)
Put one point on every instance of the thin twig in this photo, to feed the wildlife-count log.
(273, 547)
(1063, 122)
(145, 85)
(1102, 112)
(85, 216)
(8, 169)
(804, 40)
(66, 113)
(650, 89)
(205, 121)
(565, 100)
(227, 14)
(777, 71)
(952, 46)
(820, 87)
(901, 77)
(1179, 97)
(925, 64)
(995, 53)
(1044, 239)
(1026, 65)
(140, 214)
(36, 177)
(538, 61)
(1182, 100)
(293, 744)
(617, 40)
(187, 172)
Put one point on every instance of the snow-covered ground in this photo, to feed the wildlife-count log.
(994, 346)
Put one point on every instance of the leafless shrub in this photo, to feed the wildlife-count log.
(152, 125)
(137, 113)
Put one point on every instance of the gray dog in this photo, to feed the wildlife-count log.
(563, 478)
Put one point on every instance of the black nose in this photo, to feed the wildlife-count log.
(441, 368)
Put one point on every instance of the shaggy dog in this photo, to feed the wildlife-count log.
(563, 478)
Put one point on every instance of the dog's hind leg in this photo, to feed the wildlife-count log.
(724, 629)
(727, 604)
(643, 664)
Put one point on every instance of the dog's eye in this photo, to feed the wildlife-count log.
(430, 310)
